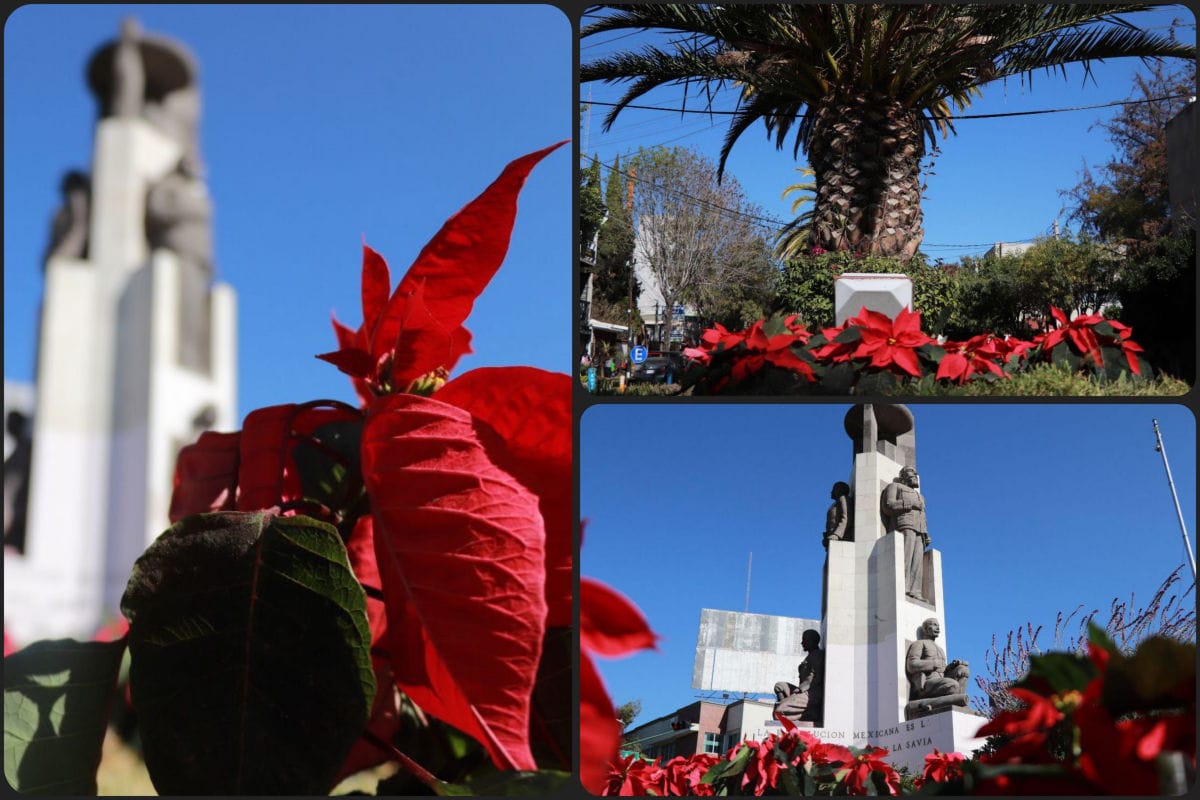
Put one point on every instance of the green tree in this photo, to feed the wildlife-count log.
(627, 712)
(863, 88)
(696, 235)
(591, 205)
(806, 287)
(1127, 205)
(615, 286)
(1005, 295)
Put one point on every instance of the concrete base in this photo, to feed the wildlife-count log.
(909, 742)
(887, 294)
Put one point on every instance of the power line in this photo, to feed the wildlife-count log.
(948, 117)
(771, 224)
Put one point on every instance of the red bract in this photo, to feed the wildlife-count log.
(531, 410)
(633, 776)
(976, 356)
(889, 342)
(762, 770)
(609, 624)
(683, 777)
(460, 548)
(942, 767)
(419, 329)
(254, 469)
(858, 772)
(1078, 331)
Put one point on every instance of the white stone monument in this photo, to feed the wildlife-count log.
(887, 294)
(870, 620)
(136, 348)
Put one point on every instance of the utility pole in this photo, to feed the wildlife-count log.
(1187, 545)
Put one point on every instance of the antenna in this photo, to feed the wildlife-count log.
(749, 564)
(1170, 482)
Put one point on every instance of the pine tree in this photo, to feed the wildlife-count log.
(614, 251)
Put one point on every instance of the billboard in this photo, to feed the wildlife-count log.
(747, 653)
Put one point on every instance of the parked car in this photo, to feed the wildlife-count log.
(656, 368)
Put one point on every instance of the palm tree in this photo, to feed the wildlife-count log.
(865, 88)
(792, 238)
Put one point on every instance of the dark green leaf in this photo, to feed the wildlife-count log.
(328, 467)
(521, 784)
(1160, 675)
(56, 701)
(250, 669)
(1063, 672)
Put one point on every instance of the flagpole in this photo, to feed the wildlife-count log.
(1179, 512)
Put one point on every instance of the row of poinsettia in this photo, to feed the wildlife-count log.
(1104, 723)
(871, 343)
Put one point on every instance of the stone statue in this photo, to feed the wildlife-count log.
(177, 114)
(128, 72)
(804, 701)
(837, 517)
(933, 684)
(69, 228)
(16, 480)
(179, 215)
(179, 219)
(903, 510)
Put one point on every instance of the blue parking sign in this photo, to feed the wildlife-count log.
(638, 354)
(591, 379)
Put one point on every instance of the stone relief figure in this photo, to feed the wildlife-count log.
(69, 228)
(837, 517)
(903, 510)
(804, 701)
(16, 480)
(933, 683)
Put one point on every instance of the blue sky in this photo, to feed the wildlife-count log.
(997, 180)
(321, 125)
(1035, 508)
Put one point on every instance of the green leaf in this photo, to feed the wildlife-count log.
(328, 467)
(521, 784)
(1160, 675)
(250, 670)
(57, 696)
(1063, 672)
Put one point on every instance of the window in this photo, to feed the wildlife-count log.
(712, 742)
(732, 738)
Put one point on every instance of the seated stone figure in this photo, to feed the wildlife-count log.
(933, 683)
(804, 701)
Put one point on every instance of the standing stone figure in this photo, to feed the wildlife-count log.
(837, 517)
(129, 73)
(930, 678)
(69, 229)
(804, 701)
(904, 512)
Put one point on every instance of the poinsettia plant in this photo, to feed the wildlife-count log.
(346, 586)
(871, 351)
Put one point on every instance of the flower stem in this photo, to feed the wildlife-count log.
(419, 772)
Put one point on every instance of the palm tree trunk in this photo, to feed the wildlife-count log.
(866, 153)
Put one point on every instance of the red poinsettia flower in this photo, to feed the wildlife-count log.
(942, 767)
(609, 625)
(859, 772)
(891, 342)
(834, 352)
(762, 770)
(634, 776)
(683, 776)
(468, 538)
(975, 356)
(418, 330)
(1078, 331)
